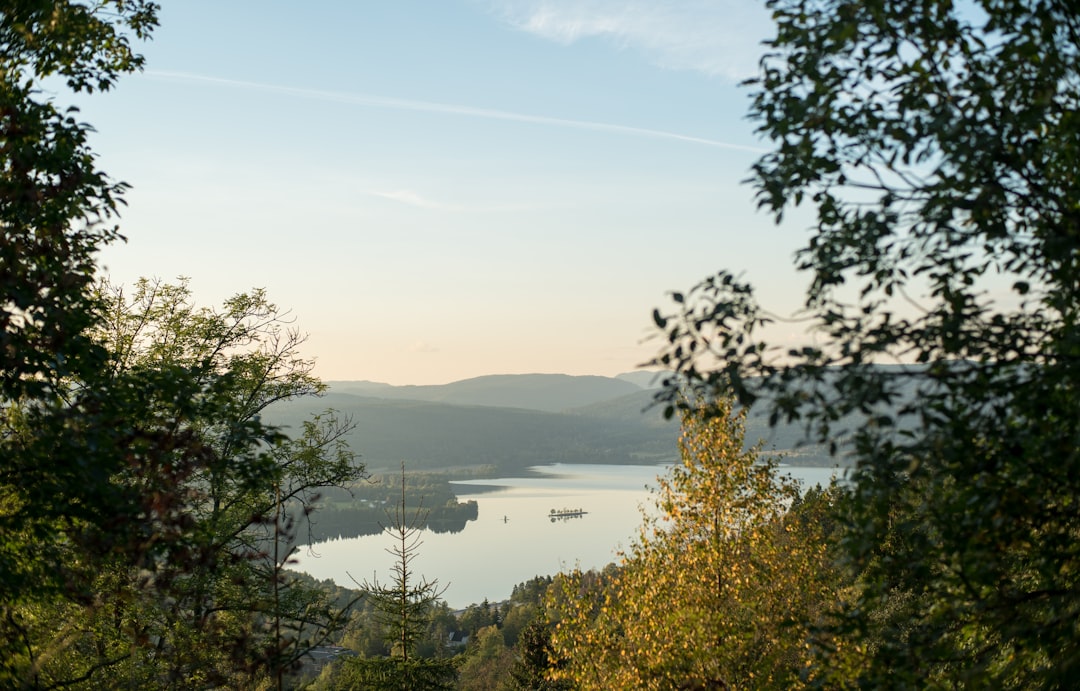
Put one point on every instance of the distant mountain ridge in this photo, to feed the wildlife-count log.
(503, 424)
(547, 392)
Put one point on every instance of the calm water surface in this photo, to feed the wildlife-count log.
(514, 537)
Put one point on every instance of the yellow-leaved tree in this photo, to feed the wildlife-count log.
(723, 587)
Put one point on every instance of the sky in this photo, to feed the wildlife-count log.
(443, 190)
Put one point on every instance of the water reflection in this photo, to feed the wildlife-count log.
(515, 535)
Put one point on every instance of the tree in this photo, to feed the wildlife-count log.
(531, 669)
(55, 206)
(216, 606)
(56, 210)
(403, 608)
(938, 143)
(108, 456)
(720, 589)
(487, 662)
(247, 504)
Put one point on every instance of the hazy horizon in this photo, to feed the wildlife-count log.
(478, 376)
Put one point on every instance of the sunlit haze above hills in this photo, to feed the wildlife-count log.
(444, 190)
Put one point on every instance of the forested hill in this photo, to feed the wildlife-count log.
(548, 392)
(599, 420)
(441, 436)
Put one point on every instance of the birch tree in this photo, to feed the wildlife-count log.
(721, 588)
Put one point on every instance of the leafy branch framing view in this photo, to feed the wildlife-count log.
(148, 513)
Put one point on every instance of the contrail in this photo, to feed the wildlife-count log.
(449, 108)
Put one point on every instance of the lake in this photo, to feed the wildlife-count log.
(514, 536)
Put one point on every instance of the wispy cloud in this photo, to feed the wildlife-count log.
(408, 197)
(415, 199)
(371, 101)
(718, 37)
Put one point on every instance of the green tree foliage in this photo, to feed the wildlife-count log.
(488, 662)
(214, 604)
(524, 606)
(720, 588)
(532, 666)
(56, 210)
(81, 487)
(135, 472)
(55, 206)
(478, 616)
(939, 144)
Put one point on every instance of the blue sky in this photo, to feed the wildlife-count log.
(440, 190)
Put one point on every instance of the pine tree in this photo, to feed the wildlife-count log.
(403, 608)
